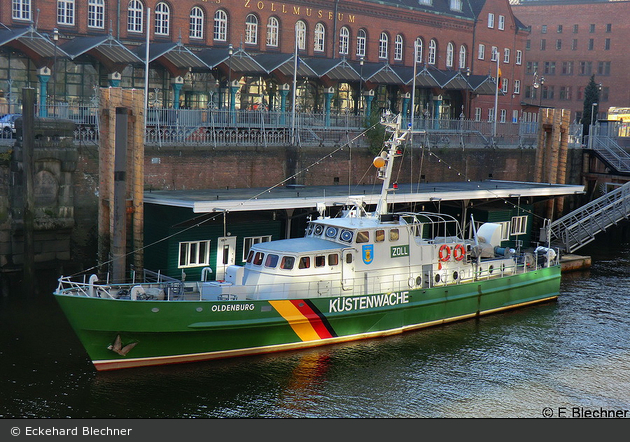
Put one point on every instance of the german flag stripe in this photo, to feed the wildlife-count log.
(304, 319)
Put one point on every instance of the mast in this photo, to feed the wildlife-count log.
(385, 162)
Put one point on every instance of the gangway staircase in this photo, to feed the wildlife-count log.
(611, 153)
(579, 227)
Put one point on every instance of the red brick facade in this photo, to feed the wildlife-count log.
(466, 29)
(572, 41)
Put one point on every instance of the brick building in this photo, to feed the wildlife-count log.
(354, 55)
(571, 41)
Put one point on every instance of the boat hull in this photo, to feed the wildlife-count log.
(167, 332)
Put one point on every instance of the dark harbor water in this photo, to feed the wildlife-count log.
(571, 353)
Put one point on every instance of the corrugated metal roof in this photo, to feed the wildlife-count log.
(29, 38)
(105, 45)
(334, 69)
(175, 53)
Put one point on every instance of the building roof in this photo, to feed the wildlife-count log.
(293, 197)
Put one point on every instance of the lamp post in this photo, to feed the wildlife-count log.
(54, 73)
(542, 87)
(590, 129)
(361, 61)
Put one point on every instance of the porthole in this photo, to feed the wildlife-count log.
(437, 277)
(319, 229)
(346, 235)
(490, 269)
(418, 280)
(455, 276)
(331, 232)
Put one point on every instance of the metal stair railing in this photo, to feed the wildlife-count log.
(579, 227)
(612, 153)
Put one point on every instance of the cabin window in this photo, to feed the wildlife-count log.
(348, 258)
(320, 261)
(194, 254)
(519, 225)
(305, 262)
(250, 256)
(287, 262)
(333, 259)
(249, 241)
(394, 235)
(271, 261)
(258, 258)
(363, 236)
(380, 235)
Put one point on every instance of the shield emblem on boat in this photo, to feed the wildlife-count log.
(368, 253)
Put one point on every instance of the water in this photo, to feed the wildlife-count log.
(571, 353)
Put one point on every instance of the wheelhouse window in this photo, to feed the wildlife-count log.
(333, 259)
(194, 254)
(258, 258)
(249, 241)
(305, 262)
(220, 25)
(271, 261)
(320, 261)
(287, 262)
(162, 19)
(196, 22)
(135, 13)
(65, 12)
(363, 236)
(380, 236)
(96, 14)
(394, 235)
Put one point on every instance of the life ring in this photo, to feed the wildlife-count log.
(459, 252)
(445, 253)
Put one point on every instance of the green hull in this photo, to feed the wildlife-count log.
(165, 332)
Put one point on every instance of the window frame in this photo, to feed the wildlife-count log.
(201, 261)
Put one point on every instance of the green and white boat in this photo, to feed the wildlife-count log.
(361, 275)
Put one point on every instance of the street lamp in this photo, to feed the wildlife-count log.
(542, 84)
(360, 84)
(590, 129)
(55, 39)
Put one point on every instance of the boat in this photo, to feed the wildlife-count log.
(362, 274)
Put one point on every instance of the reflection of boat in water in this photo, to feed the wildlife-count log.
(360, 275)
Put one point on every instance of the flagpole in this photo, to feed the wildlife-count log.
(496, 100)
(146, 70)
(295, 65)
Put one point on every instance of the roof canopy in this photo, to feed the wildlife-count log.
(36, 46)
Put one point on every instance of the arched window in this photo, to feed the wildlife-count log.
(196, 22)
(450, 55)
(462, 57)
(398, 48)
(320, 37)
(419, 47)
(220, 25)
(96, 14)
(135, 14)
(361, 42)
(300, 34)
(383, 44)
(251, 29)
(344, 41)
(432, 51)
(162, 13)
(273, 30)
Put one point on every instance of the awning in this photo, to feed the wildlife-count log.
(240, 61)
(451, 80)
(425, 78)
(334, 69)
(104, 48)
(173, 56)
(31, 43)
(284, 64)
(482, 84)
(381, 73)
